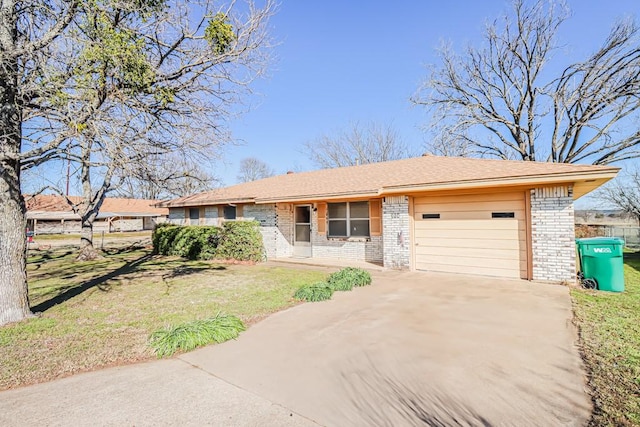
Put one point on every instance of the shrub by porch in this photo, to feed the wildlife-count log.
(239, 241)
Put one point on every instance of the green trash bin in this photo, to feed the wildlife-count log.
(601, 259)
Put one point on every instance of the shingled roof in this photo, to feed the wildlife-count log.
(112, 206)
(426, 173)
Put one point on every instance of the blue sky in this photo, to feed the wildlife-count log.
(339, 62)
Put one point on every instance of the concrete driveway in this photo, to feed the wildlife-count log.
(412, 349)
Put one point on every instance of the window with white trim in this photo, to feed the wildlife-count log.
(348, 219)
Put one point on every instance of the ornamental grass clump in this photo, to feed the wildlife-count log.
(317, 292)
(347, 278)
(197, 333)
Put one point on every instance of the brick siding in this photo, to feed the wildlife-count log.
(284, 235)
(266, 216)
(396, 234)
(553, 234)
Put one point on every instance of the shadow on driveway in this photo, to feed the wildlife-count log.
(383, 398)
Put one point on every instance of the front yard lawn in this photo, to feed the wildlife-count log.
(97, 236)
(609, 325)
(101, 313)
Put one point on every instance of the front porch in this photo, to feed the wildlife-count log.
(328, 263)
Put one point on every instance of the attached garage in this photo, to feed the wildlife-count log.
(476, 234)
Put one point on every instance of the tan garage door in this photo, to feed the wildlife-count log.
(474, 234)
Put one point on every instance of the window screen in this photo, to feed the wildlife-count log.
(337, 219)
(349, 219)
(359, 210)
(229, 212)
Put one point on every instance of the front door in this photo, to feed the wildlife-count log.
(302, 231)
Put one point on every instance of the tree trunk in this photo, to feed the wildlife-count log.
(87, 251)
(14, 297)
(88, 208)
(14, 300)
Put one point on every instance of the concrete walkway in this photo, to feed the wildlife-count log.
(161, 393)
(332, 263)
(414, 348)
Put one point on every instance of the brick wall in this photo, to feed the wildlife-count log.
(130, 224)
(553, 234)
(266, 216)
(395, 232)
(284, 233)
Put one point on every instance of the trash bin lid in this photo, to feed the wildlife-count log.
(600, 241)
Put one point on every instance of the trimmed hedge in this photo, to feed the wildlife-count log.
(238, 240)
(163, 236)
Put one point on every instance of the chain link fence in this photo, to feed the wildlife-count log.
(631, 235)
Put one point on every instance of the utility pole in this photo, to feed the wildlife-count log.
(68, 173)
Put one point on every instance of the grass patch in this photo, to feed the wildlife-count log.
(96, 235)
(312, 293)
(101, 313)
(198, 333)
(609, 326)
(347, 278)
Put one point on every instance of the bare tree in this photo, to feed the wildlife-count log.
(357, 145)
(443, 141)
(624, 193)
(252, 169)
(502, 101)
(163, 177)
(106, 84)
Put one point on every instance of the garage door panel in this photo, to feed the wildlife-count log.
(466, 239)
(469, 206)
(508, 234)
(454, 199)
(472, 261)
(464, 243)
(475, 252)
(467, 215)
(481, 224)
(484, 271)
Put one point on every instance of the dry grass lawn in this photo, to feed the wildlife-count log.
(100, 313)
(609, 325)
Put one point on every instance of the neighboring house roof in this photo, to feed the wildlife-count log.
(426, 173)
(51, 206)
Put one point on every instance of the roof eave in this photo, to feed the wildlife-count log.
(185, 203)
(599, 177)
(319, 196)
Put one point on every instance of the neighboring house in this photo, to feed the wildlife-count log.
(47, 214)
(490, 217)
(616, 217)
(608, 223)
